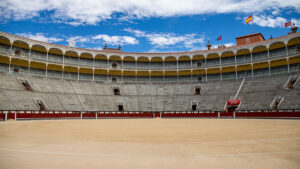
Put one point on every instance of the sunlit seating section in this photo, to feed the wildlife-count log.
(170, 65)
(55, 58)
(38, 56)
(243, 58)
(184, 64)
(129, 65)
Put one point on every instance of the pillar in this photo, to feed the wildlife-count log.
(28, 68)
(288, 64)
(269, 68)
(206, 75)
(11, 51)
(46, 70)
(235, 59)
(47, 55)
(9, 64)
(62, 72)
(5, 116)
(29, 52)
(252, 68)
(78, 71)
(93, 74)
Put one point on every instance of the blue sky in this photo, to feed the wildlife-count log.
(146, 26)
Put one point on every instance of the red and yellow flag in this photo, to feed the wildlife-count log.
(249, 19)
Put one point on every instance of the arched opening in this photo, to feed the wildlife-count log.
(38, 52)
(213, 59)
(259, 52)
(100, 61)
(70, 72)
(294, 46)
(19, 65)
(279, 66)
(37, 69)
(277, 49)
(100, 75)
(143, 63)
(243, 55)
(55, 55)
(71, 58)
(244, 71)
(227, 57)
(54, 71)
(129, 62)
(85, 74)
(156, 63)
(184, 62)
(4, 64)
(170, 62)
(20, 49)
(4, 45)
(115, 61)
(86, 59)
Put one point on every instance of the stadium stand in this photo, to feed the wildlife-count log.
(38, 76)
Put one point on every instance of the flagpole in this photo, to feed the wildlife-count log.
(252, 26)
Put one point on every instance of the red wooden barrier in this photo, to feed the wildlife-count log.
(190, 115)
(92, 115)
(262, 114)
(226, 114)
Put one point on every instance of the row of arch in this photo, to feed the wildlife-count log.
(293, 39)
(86, 70)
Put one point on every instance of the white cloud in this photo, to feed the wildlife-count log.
(272, 21)
(77, 12)
(269, 21)
(78, 39)
(40, 37)
(163, 40)
(226, 44)
(115, 40)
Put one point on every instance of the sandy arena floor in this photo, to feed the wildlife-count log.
(150, 143)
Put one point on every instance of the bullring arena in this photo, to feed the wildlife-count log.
(230, 107)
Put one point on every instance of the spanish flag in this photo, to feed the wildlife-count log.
(249, 19)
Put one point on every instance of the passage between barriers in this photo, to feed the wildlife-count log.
(39, 115)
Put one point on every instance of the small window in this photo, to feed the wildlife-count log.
(291, 83)
(120, 107)
(199, 78)
(194, 107)
(114, 65)
(116, 91)
(198, 63)
(114, 79)
(276, 102)
(17, 69)
(197, 90)
(26, 85)
(41, 105)
(298, 48)
(18, 52)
